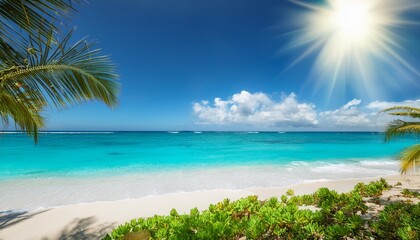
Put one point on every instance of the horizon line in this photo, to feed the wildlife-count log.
(179, 131)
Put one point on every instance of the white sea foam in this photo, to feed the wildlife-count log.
(56, 191)
(198, 132)
(379, 163)
(173, 132)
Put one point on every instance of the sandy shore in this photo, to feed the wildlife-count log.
(94, 220)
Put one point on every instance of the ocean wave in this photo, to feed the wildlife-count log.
(333, 168)
(91, 187)
(173, 132)
(198, 132)
(316, 180)
(346, 168)
(379, 163)
(299, 163)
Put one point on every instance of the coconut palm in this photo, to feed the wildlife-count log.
(38, 69)
(410, 157)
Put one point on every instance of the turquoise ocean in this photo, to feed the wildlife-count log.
(79, 167)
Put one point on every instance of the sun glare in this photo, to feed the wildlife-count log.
(352, 20)
(354, 40)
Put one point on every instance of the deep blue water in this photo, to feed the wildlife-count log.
(87, 154)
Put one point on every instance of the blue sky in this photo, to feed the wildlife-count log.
(175, 57)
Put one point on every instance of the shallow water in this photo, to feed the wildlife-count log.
(73, 167)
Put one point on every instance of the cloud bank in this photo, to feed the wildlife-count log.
(261, 110)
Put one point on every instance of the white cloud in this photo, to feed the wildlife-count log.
(354, 115)
(348, 115)
(381, 105)
(257, 108)
(262, 111)
(353, 103)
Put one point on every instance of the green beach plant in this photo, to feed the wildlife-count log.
(338, 217)
(410, 194)
(398, 221)
(39, 67)
(410, 157)
(290, 192)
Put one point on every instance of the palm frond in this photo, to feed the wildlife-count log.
(34, 16)
(399, 128)
(405, 111)
(410, 159)
(39, 70)
(405, 114)
(8, 44)
(66, 75)
(24, 112)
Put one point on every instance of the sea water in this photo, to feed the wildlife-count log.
(78, 167)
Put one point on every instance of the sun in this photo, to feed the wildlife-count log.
(356, 43)
(353, 21)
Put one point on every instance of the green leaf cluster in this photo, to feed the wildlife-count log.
(374, 189)
(409, 157)
(398, 221)
(336, 216)
(410, 194)
(40, 68)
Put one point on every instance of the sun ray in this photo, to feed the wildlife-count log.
(356, 42)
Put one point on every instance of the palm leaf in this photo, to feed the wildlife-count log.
(34, 16)
(42, 72)
(404, 111)
(66, 75)
(37, 70)
(24, 113)
(410, 159)
(399, 128)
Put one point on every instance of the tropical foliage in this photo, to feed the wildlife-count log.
(410, 157)
(39, 67)
(408, 193)
(398, 221)
(337, 216)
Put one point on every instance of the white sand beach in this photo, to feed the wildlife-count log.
(94, 220)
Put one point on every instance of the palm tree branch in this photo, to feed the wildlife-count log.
(23, 111)
(68, 75)
(65, 83)
(30, 15)
(410, 158)
(36, 70)
(405, 114)
(398, 128)
(403, 111)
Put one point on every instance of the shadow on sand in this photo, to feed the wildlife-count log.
(79, 228)
(84, 228)
(11, 218)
